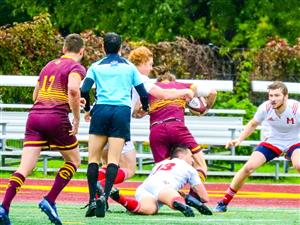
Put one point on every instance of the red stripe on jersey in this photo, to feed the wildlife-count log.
(271, 147)
(268, 107)
(295, 107)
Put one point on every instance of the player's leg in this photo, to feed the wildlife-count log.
(96, 144)
(159, 142)
(118, 133)
(127, 164)
(29, 158)
(130, 203)
(128, 159)
(174, 200)
(187, 139)
(295, 158)
(259, 157)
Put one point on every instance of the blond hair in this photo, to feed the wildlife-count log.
(140, 55)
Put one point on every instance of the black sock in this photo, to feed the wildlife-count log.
(92, 177)
(111, 174)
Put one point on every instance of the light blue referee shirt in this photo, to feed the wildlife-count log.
(114, 77)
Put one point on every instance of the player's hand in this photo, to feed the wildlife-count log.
(82, 102)
(189, 95)
(87, 116)
(139, 113)
(75, 125)
(232, 143)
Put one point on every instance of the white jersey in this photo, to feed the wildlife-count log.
(284, 130)
(174, 173)
(148, 84)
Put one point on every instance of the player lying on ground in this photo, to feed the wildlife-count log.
(162, 185)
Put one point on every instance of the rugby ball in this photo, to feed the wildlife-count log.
(197, 106)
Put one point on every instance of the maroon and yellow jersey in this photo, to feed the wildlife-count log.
(161, 109)
(53, 85)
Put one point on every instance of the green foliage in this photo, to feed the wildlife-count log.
(24, 49)
(278, 61)
(231, 22)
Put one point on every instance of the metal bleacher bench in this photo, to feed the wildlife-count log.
(208, 130)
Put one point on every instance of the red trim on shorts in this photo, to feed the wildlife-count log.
(290, 150)
(272, 148)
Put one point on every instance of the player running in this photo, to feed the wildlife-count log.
(282, 115)
(48, 126)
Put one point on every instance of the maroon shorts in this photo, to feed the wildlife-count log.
(49, 131)
(166, 135)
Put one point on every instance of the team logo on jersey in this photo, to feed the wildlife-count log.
(290, 120)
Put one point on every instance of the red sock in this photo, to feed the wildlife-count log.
(177, 199)
(101, 173)
(121, 176)
(14, 184)
(131, 204)
(229, 195)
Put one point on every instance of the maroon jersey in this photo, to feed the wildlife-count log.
(161, 109)
(53, 85)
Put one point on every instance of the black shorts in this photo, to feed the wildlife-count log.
(111, 121)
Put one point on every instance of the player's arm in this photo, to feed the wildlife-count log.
(74, 99)
(248, 130)
(161, 93)
(143, 96)
(201, 192)
(85, 92)
(35, 92)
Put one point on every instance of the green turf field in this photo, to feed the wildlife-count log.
(29, 214)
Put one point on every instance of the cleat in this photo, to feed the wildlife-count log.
(115, 194)
(185, 209)
(91, 209)
(194, 202)
(101, 206)
(4, 219)
(51, 211)
(221, 207)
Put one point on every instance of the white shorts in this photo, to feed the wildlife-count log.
(152, 187)
(142, 192)
(128, 147)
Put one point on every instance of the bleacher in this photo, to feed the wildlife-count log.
(214, 129)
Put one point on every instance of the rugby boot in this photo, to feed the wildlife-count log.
(201, 207)
(185, 209)
(50, 210)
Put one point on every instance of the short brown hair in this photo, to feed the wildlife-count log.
(73, 43)
(166, 76)
(278, 85)
(180, 149)
(140, 55)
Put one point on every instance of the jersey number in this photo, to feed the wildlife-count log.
(48, 82)
(165, 167)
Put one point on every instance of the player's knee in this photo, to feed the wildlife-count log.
(248, 169)
(297, 167)
(131, 173)
(76, 162)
